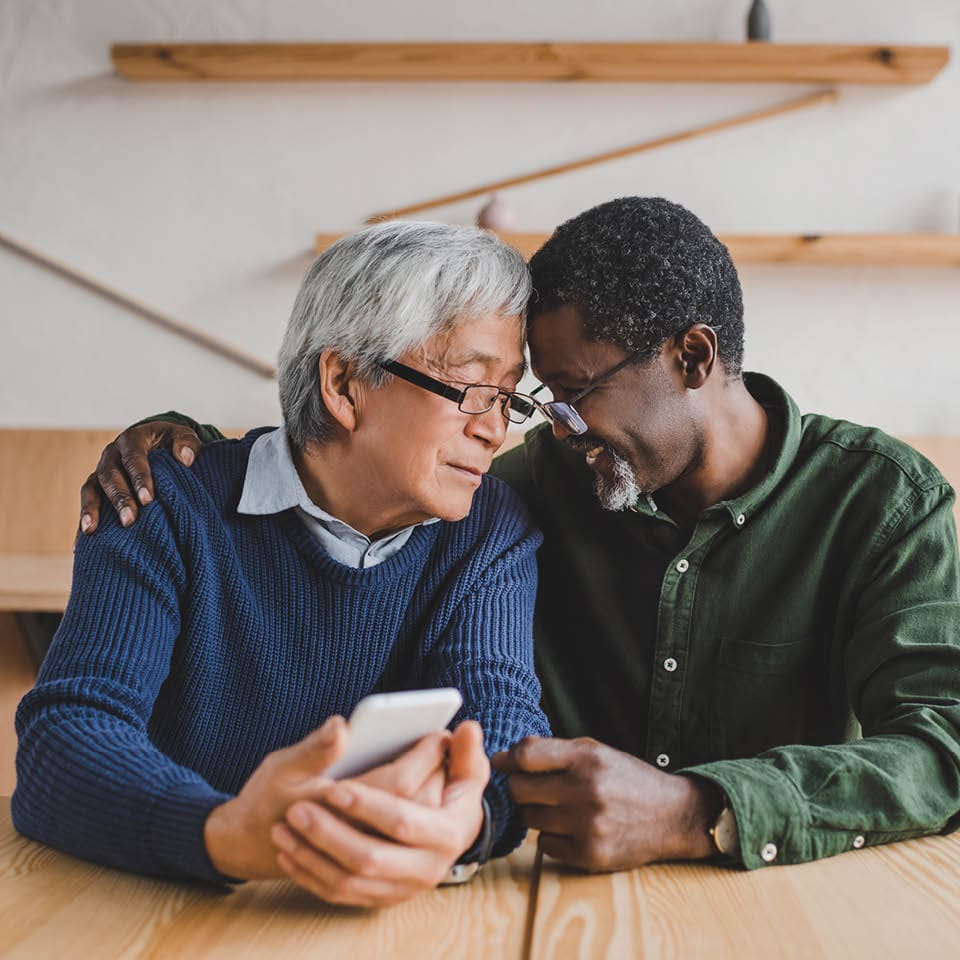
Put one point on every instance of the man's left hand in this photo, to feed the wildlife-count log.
(600, 809)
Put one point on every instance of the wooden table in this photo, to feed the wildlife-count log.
(896, 901)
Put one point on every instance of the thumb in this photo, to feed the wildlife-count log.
(468, 767)
(316, 751)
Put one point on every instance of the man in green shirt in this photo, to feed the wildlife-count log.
(748, 622)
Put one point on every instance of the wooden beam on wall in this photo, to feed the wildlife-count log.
(682, 136)
(160, 319)
(645, 62)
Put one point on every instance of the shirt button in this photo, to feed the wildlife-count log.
(858, 841)
(669, 664)
(741, 519)
(769, 852)
(683, 565)
(663, 760)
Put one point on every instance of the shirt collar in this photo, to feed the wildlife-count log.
(768, 393)
(272, 485)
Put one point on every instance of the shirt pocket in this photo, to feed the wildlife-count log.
(760, 697)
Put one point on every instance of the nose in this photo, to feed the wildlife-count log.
(490, 427)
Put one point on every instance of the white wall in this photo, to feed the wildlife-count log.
(202, 199)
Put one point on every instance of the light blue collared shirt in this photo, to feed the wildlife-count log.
(272, 485)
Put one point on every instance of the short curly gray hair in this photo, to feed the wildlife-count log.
(378, 293)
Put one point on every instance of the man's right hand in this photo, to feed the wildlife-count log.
(237, 834)
(123, 473)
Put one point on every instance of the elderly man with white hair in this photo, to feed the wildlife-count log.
(196, 686)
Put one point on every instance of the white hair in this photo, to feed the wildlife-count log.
(385, 290)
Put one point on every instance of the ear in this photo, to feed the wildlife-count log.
(696, 354)
(339, 388)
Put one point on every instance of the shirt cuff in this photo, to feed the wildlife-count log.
(177, 821)
(771, 814)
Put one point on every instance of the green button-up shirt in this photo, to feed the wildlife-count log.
(753, 650)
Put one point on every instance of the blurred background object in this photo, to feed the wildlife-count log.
(758, 21)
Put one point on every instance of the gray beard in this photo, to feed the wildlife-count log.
(619, 491)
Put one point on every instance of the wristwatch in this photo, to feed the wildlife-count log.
(477, 855)
(724, 832)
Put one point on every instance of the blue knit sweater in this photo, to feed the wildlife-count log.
(199, 640)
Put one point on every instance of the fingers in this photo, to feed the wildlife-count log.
(549, 819)
(90, 504)
(411, 771)
(123, 472)
(184, 443)
(135, 443)
(547, 789)
(403, 821)
(431, 793)
(133, 460)
(537, 755)
(315, 752)
(321, 876)
(467, 761)
(113, 481)
(560, 848)
(360, 853)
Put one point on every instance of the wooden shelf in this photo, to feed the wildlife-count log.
(853, 249)
(650, 62)
(888, 249)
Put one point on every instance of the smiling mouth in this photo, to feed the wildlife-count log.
(593, 455)
(591, 449)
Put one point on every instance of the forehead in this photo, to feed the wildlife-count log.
(559, 350)
(490, 340)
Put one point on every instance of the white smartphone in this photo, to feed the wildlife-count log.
(384, 725)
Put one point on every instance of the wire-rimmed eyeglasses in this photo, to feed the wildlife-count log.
(475, 398)
(478, 398)
(564, 412)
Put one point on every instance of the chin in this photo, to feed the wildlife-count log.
(453, 508)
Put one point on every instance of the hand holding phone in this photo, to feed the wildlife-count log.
(385, 725)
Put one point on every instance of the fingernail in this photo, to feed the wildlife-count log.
(301, 818)
(126, 516)
(86, 522)
(186, 456)
(144, 494)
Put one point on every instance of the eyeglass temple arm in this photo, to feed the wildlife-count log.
(422, 380)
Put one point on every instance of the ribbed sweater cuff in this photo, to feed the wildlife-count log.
(176, 822)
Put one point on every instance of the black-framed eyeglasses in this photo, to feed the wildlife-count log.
(475, 398)
(564, 412)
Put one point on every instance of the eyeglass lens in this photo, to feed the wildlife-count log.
(566, 416)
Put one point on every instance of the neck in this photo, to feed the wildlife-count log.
(350, 491)
(737, 449)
